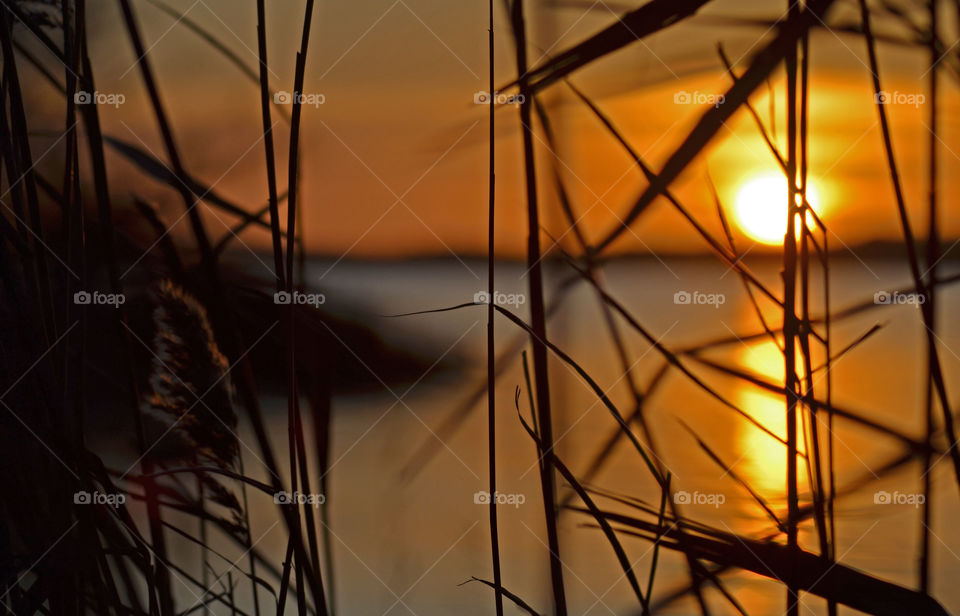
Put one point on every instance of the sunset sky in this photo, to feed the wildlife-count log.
(394, 161)
(717, 399)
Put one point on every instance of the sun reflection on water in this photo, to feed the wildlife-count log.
(764, 461)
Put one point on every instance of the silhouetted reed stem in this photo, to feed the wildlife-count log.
(272, 203)
(491, 339)
(932, 259)
(296, 443)
(268, 145)
(790, 324)
(537, 315)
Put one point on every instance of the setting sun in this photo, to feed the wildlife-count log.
(761, 207)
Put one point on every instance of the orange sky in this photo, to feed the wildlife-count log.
(394, 161)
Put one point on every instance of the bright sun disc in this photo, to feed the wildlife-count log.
(761, 208)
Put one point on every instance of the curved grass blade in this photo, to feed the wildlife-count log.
(729, 471)
(153, 167)
(184, 19)
(523, 605)
(635, 25)
(579, 370)
(595, 511)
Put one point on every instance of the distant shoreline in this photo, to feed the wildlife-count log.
(759, 252)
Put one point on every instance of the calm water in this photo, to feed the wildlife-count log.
(405, 540)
